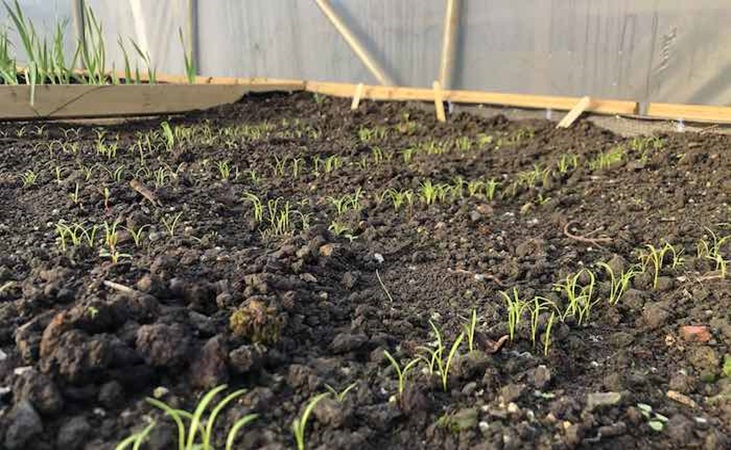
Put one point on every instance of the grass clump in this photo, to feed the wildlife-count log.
(257, 322)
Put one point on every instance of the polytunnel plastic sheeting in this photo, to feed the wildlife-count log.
(45, 14)
(668, 51)
(152, 24)
(663, 51)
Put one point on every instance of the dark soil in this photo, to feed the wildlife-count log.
(223, 299)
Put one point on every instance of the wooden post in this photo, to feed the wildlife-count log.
(192, 32)
(449, 43)
(357, 96)
(77, 11)
(439, 102)
(362, 53)
(575, 112)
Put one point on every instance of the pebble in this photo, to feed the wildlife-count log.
(25, 424)
(602, 399)
(21, 370)
(655, 316)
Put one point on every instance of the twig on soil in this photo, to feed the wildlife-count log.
(713, 275)
(121, 288)
(384, 287)
(488, 344)
(585, 238)
(145, 192)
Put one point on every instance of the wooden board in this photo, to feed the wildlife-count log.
(690, 113)
(78, 101)
(598, 105)
(439, 102)
(575, 112)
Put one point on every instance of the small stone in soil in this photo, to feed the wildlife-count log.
(73, 434)
(602, 399)
(25, 424)
(511, 392)
(655, 316)
(346, 342)
(679, 430)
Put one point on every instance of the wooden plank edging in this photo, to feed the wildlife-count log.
(690, 113)
(598, 105)
(84, 101)
(155, 100)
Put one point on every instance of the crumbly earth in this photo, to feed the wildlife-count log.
(291, 302)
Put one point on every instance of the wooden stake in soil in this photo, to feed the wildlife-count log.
(362, 53)
(439, 102)
(575, 112)
(357, 96)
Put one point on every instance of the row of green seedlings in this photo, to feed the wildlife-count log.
(195, 429)
(579, 289)
(47, 61)
(643, 145)
(277, 217)
(436, 359)
(341, 205)
(79, 235)
(160, 176)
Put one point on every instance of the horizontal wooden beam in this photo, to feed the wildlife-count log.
(83, 101)
(690, 113)
(598, 105)
(284, 84)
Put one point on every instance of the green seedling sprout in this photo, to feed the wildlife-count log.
(712, 251)
(136, 440)
(490, 188)
(436, 356)
(137, 234)
(338, 228)
(515, 306)
(547, 334)
(89, 233)
(340, 203)
(223, 170)
(399, 198)
(200, 425)
(408, 155)
(29, 178)
(607, 159)
(299, 424)
(340, 396)
(654, 420)
(401, 373)
(567, 162)
(619, 284)
(655, 256)
(254, 177)
(190, 69)
(171, 222)
(332, 163)
(469, 330)
(463, 143)
(474, 187)
(257, 205)
(280, 166)
(110, 240)
(539, 305)
(579, 297)
(75, 195)
(168, 136)
(428, 192)
(297, 167)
